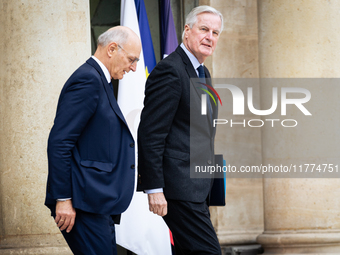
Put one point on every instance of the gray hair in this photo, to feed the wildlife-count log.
(120, 36)
(192, 16)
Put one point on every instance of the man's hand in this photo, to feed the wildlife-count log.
(158, 204)
(65, 215)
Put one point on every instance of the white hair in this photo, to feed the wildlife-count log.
(120, 36)
(192, 16)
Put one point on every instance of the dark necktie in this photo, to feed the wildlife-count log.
(111, 86)
(201, 75)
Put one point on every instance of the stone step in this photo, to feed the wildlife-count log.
(253, 249)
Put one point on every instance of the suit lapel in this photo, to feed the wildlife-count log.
(189, 69)
(109, 92)
(194, 85)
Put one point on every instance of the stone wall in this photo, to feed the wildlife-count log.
(42, 43)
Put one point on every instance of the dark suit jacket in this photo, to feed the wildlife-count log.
(166, 150)
(90, 148)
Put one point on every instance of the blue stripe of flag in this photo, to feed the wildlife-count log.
(148, 51)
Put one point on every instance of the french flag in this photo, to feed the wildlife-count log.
(140, 231)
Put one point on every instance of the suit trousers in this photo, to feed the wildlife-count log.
(191, 227)
(92, 234)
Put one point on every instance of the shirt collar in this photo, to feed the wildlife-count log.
(104, 69)
(192, 58)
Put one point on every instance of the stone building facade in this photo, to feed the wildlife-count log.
(43, 42)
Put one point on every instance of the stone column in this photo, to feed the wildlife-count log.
(301, 39)
(236, 56)
(42, 43)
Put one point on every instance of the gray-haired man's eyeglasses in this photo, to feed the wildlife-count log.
(131, 58)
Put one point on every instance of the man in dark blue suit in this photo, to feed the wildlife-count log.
(91, 154)
(173, 136)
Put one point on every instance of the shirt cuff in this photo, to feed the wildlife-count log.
(151, 191)
(63, 199)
